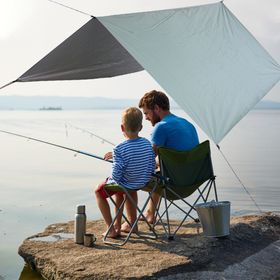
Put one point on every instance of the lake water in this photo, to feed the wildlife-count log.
(41, 184)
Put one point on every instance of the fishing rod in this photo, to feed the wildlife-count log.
(89, 132)
(55, 145)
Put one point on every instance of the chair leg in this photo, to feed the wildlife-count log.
(160, 216)
(132, 227)
(157, 214)
(201, 192)
(188, 213)
(159, 219)
(114, 219)
(215, 190)
(141, 212)
(167, 215)
(209, 190)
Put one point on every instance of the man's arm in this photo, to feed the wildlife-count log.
(157, 161)
(155, 149)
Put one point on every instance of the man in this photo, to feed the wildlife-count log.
(169, 131)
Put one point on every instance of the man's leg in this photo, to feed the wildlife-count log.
(151, 208)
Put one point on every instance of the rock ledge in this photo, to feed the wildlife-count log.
(252, 251)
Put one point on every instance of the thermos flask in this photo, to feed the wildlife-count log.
(80, 224)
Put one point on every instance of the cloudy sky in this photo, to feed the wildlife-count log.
(32, 28)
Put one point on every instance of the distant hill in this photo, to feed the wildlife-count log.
(85, 103)
(66, 103)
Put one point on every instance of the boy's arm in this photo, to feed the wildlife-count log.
(108, 156)
(118, 166)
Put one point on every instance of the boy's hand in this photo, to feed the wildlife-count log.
(108, 156)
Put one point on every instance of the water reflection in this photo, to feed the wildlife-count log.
(29, 274)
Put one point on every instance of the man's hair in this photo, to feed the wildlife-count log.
(132, 119)
(152, 98)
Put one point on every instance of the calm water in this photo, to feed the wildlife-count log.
(41, 184)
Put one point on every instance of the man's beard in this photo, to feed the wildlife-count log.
(155, 119)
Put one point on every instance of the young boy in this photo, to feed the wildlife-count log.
(133, 164)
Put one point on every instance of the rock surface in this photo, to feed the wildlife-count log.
(252, 251)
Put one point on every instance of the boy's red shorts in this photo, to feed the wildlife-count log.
(102, 192)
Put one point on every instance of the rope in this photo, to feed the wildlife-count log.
(246, 190)
(76, 10)
(8, 84)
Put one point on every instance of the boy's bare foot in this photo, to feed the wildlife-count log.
(126, 228)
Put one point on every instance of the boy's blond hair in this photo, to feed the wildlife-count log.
(132, 119)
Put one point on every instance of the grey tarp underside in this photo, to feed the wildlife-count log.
(91, 52)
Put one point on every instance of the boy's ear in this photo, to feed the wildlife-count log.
(122, 127)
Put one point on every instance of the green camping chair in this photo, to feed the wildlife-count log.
(139, 210)
(181, 174)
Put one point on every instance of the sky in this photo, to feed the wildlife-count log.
(30, 29)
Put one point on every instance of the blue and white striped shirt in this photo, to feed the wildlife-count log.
(133, 163)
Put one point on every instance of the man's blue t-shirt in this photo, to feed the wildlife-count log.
(175, 133)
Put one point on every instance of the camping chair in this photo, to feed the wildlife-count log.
(140, 214)
(181, 174)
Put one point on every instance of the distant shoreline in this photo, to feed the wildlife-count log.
(107, 108)
(44, 109)
(55, 103)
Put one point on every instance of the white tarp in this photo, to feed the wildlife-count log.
(203, 57)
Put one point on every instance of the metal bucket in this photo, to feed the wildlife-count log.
(214, 217)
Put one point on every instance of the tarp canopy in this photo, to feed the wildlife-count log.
(91, 52)
(202, 56)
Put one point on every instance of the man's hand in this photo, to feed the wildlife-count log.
(108, 156)
(157, 164)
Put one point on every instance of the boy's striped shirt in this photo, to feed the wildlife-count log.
(133, 163)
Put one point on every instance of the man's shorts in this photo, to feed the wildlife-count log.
(108, 182)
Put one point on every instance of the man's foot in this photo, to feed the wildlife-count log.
(112, 233)
(126, 228)
(118, 229)
(150, 218)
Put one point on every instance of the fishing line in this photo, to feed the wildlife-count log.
(56, 145)
(89, 132)
(246, 190)
(66, 130)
